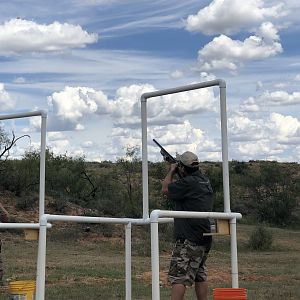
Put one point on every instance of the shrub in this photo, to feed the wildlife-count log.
(260, 239)
(27, 201)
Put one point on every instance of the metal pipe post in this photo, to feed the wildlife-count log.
(41, 260)
(225, 167)
(234, 258)
(155, 260)
(128, 260)
(42, 165)
(144, 158)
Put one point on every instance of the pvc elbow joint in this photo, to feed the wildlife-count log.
(222, 83)
(154, 216)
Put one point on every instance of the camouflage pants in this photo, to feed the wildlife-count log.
(188, 263)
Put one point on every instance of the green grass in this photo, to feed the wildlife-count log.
(83, 266)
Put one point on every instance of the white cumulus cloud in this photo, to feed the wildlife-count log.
(225, 53)
(267, 98)
(17, 36)
(176, 138)
(250, 105)
(286, 128)
(73, 104)
(263, 138)
(242, 128)
(260, 149)
(276, 127)
(70, 108)
(55, 136)
(6, 102)
(231, 16)
(280, 98)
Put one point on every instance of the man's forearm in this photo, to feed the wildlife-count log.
(168, 179)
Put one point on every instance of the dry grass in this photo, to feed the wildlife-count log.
(84, 265)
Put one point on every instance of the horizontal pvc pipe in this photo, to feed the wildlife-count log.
(83, 219)
(156, 214)
(87, 219)
(24, 115)
(147, 221)
(185, 88)
(163, 216)
(22, 225)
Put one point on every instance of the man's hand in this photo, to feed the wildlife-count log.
(169, 178)
(173, 168)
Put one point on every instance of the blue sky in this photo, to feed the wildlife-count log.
(88, 61)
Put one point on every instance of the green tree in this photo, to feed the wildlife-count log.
(157, 172)
(7, 143)
(130, 178)
(214, 173)
(66, 178)
(274, 193)
(260, 239)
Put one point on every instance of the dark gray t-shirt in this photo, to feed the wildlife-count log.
(192, 193)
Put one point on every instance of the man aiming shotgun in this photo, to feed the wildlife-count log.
(191, 192)
(166, 155)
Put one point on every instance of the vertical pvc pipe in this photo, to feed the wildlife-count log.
(155, 260)
(128, 260)
(234, 258)
(225, 167)
(144, 158)
(41, 261)
(42, 165)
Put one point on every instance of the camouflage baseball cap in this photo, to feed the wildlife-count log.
(189, 159)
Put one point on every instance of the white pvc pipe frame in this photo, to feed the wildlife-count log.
(154, 220)
(222, 85)
(43, 115)
(156, 216)
(41, 267)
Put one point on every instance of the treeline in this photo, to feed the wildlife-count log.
(263, 191)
